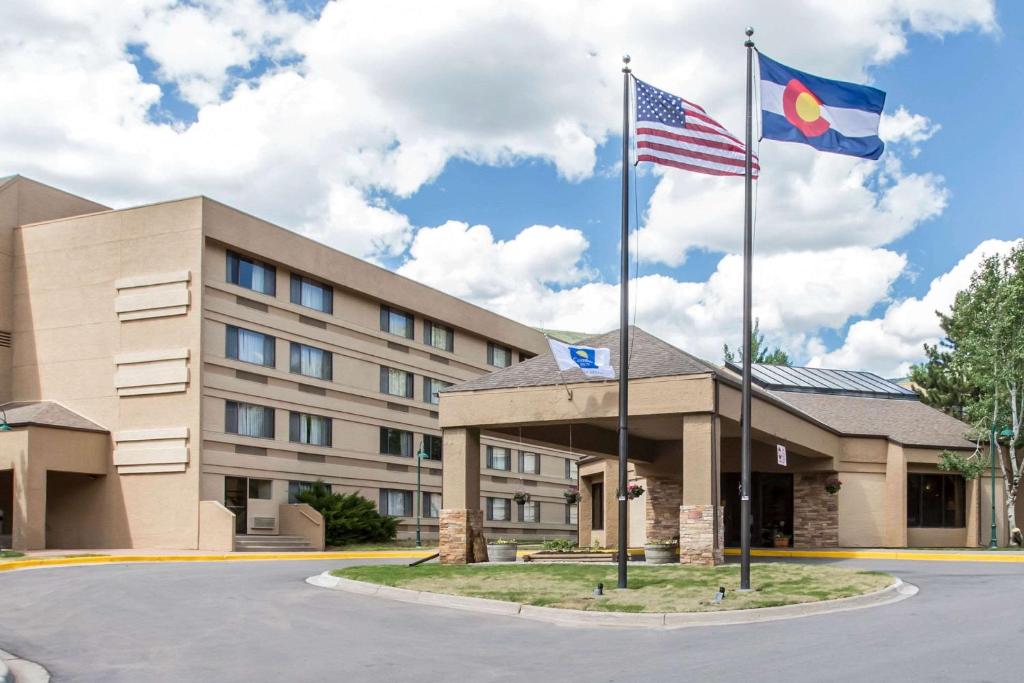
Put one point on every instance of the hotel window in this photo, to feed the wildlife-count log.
(430, 388)
(312, 294)
(249, 347)
(529, 463)
(498, 356)
(499, 510)
(529, 511)
(438, 336)
(260, 489)
(395, 442)
(597, 506)
(396, 503)
(297, 487)
(431, 505)
(395, 382)
(572, 514)
(311, 361)
(499, 458)
(396, 322)
(254, 275)
(433, 446)
(935, 501)
(246, 419)
(571, 469)
(314, 430)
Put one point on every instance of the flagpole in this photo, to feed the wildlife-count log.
(624, 332)
(748, 249)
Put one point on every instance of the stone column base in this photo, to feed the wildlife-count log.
(697, 535)
(461, 537)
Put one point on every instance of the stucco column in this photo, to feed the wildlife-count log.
(460, 521)
(700, 538)
(611, 503)
(895, 497)
(585, 512)
(29, 532)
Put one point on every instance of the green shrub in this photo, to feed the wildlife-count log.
(559, 545)
(348, 517)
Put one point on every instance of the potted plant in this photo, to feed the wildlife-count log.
(521, 497)
(660, 551)
(832, 484)
(572, 496)
(502, 550)
(634, 491)
(781, 538)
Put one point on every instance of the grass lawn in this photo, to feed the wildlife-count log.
(10, 553)
(671, 588)
(393, 545)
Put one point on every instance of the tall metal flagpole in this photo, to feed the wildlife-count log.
(748, 249)
(624, 332)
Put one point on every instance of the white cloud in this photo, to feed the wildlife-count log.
(891, 344)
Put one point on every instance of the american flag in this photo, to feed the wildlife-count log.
(675, 132)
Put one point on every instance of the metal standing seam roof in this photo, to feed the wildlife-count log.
(821, 380)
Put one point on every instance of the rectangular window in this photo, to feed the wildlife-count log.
(499, 509)
(935, 501)
(395, 442)
(438, 336)
(498, 356)
(251, 274)
(312, 294)
(499, 458)
(249, 347)
(431, 387)
(246, 419)
(572, 471)
(433, 446)
(396, 503)
(529, 463)
(572, 514)
(396, 382)
(597, 506)
(529, 511)
(396, 322)
(431, 505)
(314, 430)
(311, 361)
(297, 487)
(260, 489)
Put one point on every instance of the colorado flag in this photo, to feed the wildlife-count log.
(592, 361)
(832, 116)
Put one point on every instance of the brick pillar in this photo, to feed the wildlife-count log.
(815, 511)
(697, 543)
(461, 520)
(662, 499)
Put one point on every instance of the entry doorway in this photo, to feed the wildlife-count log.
(6, 508)
(771, 508)
(236, 499)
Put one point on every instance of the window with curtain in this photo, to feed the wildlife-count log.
(394, 321)
(314, 430)
(431, 387)
(499, 509)
(431, 505)
(572, 514)
(312, 294)
(251, 274)
(433, 446)
(395, 442)
(247, 419)
(440, 337)
(297, 487)
(530, 511)
(311, 361)
(499, 458)
(498, 356)
(529, 463)
(935, 501)
(396, 382)
(396, 503)
(249, 347)
(571, 469)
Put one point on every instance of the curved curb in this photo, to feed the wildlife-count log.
(895, 592)
(14, 669)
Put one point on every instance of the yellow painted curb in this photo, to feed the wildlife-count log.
(939, 556)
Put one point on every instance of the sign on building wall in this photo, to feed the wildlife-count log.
(780, 452)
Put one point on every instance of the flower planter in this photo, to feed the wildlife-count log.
(660, 554)
(782, 542)
(502, 552)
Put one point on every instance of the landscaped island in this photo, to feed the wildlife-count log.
(652, 589)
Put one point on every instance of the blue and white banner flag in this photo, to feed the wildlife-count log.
(592, 361)
(831, 116)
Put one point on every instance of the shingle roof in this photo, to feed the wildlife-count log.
(46, 414)
(649, 357)
(908, 422)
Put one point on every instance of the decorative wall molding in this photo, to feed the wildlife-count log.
(156, 295)
(144, 451)
(151, 372)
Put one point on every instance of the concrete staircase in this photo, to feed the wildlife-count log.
(257, 543)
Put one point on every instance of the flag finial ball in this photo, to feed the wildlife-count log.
(625, 59)
(750, 31)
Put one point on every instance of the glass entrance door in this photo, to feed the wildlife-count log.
(236, 500)
(771, 508)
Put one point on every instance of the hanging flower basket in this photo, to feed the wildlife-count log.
(833, 485)
(572, 496)
(634, 491)
(521, 497)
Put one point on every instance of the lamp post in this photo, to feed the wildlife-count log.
(421, 455)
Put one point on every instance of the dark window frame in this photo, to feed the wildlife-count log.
(917, 501)
(408, 503)
(434, 447)
(533, 505)
(425, 504)
(385, 382)
(295, 360)
(522, 462)
(231, 419)
(234, 273)
(231, 349)
(568, 513)
(296, 293)
(490, 509)
(404, 445)
(428, 389)
(491, 348)
(428, 336)
(385, 321)
(295, 429)
(508, 459)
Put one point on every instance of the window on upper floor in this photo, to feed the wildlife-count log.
(499, 458)
(571, 469)
(433, 445)
(314, 430)
(499, 356)
(529, 511)
(311, 361)
(251, 274)
(396, 503)
(499, 509)
(572, 514)
(312, 294)
(247, 419)
(935, 501)
(431, 387)
(396, 382)
(431, 504)
(249, 347)
(394, 321)
(529, 463)
(395, 442)
(438, 336)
